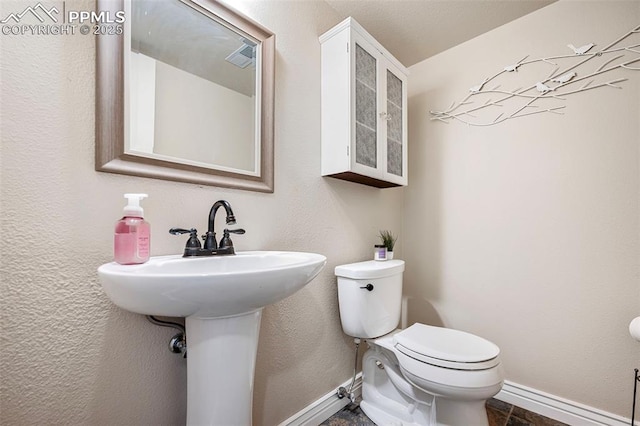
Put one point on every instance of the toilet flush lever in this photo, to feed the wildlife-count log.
(368, 287)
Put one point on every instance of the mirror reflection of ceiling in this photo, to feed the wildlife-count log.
(176, 34)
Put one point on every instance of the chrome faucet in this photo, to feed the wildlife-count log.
(211, 247)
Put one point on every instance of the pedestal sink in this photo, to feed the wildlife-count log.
(222, 298)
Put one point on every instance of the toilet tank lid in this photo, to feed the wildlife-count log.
(370, 269)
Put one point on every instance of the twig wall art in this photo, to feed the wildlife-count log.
(487, 103)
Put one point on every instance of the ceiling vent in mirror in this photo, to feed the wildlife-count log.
(243, 56)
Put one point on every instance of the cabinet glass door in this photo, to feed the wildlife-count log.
(366, 108)
(394, 118)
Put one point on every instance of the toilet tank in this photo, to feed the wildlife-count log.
(370, 296)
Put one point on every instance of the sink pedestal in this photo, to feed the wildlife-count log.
(221, 360)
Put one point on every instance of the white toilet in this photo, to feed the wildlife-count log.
(422, 375)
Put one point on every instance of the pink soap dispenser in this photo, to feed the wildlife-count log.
(132, 240)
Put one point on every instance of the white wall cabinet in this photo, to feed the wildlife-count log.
(364, 109)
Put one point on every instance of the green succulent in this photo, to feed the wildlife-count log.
(388, 239)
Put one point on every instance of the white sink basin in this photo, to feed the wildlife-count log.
(216, 286)
(222, 299)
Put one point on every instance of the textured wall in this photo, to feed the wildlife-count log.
(69, 355)
(528, 232)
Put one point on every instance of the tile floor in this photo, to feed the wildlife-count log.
(499, 413)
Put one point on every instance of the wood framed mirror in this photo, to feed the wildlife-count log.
(186, 93)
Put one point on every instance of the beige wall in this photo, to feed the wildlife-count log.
(71, 357)
(527, 232)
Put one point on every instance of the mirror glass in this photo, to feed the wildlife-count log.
(192, 94)
(197, 95)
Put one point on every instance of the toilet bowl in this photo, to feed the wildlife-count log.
(423, 375)
(430, 390)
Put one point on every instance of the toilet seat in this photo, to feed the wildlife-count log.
(452, 379)
(447, 348)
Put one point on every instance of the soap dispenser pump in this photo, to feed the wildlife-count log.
(132, 238)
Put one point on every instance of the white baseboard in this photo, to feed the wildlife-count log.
(555, 407)
(325, 407)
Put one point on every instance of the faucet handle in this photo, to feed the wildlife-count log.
(193, 241)
(225, 241)
(178, 231)
(234, 231)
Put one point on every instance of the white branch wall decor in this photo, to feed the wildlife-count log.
(583, 69)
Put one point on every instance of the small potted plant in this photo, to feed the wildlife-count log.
(389, 241)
